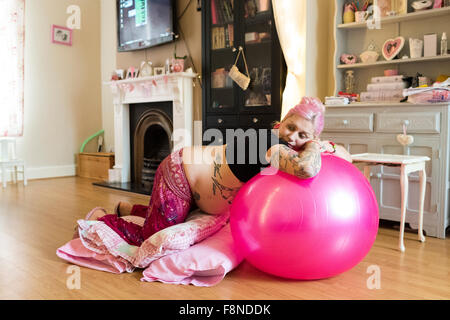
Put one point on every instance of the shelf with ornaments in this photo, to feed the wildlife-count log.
(394, 62)
(424, 14)
(367, 51)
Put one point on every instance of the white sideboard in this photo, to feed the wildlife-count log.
(373, 128)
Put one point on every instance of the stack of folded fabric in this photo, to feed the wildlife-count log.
(329, 101)
(384, 89)
(439, 92)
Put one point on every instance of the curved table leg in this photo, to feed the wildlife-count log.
(423, 183)
(404, 191)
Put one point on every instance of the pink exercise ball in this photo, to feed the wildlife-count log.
(306, 228)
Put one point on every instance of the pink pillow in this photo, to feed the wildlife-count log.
(204, 264)
(98, 237)
(76, 253)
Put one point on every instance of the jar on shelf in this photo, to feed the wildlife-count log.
(349, 81)
(349, 14)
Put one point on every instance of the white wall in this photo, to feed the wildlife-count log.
(108, 64)
(62, 87)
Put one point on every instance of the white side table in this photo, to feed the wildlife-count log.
(407, 165)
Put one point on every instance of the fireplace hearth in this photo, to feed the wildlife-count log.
(147, 111)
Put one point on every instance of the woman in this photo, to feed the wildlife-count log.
(182, 182)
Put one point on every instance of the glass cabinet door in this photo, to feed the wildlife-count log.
(259, 41)
(229, 25)
(222, 93)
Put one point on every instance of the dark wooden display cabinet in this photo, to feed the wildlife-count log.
(228, 25)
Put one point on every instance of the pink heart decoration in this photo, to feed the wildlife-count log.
(348, 58)
(392, 47)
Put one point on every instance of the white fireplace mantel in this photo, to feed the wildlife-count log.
(175, 87)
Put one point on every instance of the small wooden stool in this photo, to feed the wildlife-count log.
(407, 165)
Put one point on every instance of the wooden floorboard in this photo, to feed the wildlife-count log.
(37, 219)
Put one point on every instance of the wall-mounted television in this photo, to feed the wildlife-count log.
(144, 23)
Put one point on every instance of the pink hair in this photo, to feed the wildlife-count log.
(311, 109)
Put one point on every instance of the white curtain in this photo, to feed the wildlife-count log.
(290, 20)
(12, 67)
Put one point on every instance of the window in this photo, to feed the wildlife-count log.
(12, 67)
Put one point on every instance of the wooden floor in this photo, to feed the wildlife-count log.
(37, 219)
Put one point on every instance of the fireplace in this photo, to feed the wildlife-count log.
(150, 139)
(153, 116)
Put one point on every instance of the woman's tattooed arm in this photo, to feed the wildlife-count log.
(304, 164)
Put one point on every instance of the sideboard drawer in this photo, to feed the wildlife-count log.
(423, 122)
(348, 122)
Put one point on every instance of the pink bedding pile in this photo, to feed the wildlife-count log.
(199, 251)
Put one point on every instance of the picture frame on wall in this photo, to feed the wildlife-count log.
(61, 35)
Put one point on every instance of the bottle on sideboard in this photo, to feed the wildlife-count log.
(349, 81)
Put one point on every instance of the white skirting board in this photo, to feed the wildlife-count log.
(47, 172)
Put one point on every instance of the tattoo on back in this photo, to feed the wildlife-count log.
(217, 169)
(217, 166)
(225, 192)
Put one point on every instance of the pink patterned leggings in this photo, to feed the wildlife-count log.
(170, 203)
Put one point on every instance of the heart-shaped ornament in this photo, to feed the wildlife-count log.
(348, 58)
(405, 139)
(392, 47)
